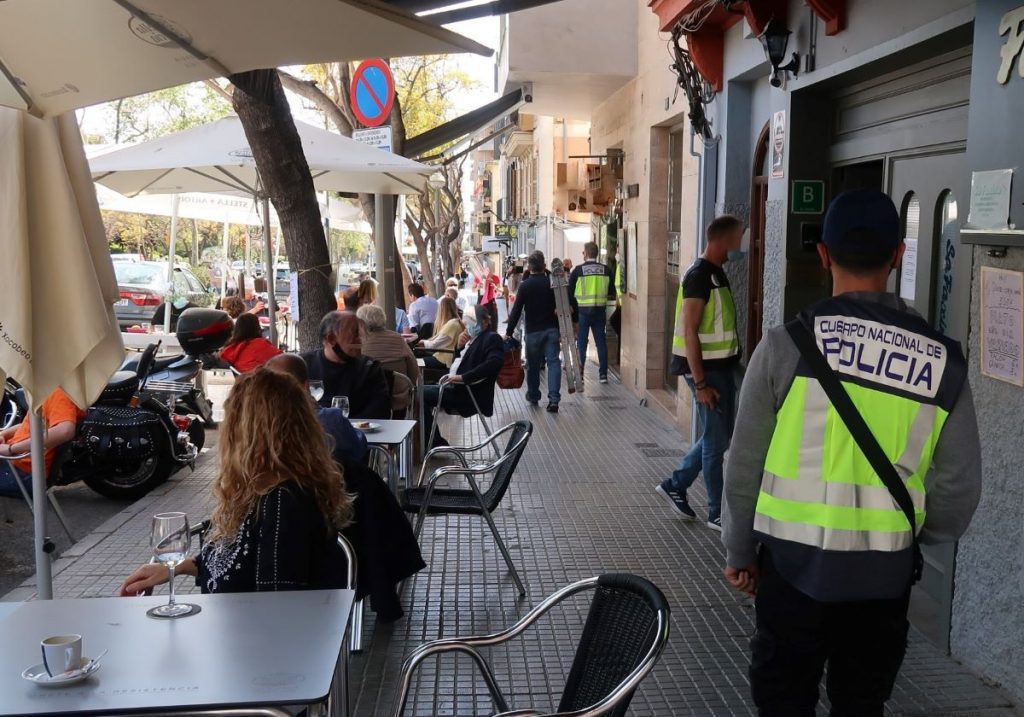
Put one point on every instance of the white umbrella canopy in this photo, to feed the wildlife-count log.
(216, 158)
(57, 55)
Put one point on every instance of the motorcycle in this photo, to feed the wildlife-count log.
(181, 369)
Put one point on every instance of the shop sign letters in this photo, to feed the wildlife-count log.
(1010, 26)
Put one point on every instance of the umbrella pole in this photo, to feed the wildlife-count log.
(269, 270)
(384, 236)
(170, 263)
(227, 262)
(44, 577)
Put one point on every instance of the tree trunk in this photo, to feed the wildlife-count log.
(263, 110)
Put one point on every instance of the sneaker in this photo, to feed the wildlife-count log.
(679, 504)
(715, 523)
(603, 379)
(532, 403)
(552, 408)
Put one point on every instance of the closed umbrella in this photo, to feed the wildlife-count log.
(58, 55)
(57, 285)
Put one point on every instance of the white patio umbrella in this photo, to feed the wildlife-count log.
(57, 286)
(216, 158)
(57, 55)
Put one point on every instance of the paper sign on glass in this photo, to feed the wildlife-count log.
(1002, 324)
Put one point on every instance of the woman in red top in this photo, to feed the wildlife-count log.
(247, 349)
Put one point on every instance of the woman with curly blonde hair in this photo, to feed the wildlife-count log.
(280, 498)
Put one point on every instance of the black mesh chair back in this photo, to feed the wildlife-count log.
(516, 446)
(621, 627)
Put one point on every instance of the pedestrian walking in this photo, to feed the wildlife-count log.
(856, 439)
(705, 351)
(590, 288)
(536, 299)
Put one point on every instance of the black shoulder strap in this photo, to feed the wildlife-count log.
(858, 428)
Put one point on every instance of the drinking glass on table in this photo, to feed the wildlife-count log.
(316, 390)
(342, 403)
(170, 541)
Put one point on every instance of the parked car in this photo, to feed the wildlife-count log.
(216, 277)
(133, 258)
(143, 291)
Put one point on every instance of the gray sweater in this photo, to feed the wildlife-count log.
(953, 484)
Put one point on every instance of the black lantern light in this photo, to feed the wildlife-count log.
(775, 40)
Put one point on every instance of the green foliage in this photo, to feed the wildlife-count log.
(426, 88)
(143, 117)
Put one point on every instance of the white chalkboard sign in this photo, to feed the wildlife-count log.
(1002, 324)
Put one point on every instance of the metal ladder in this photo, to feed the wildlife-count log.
(570, 355)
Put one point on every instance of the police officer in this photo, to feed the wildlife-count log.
(833, 574)
(590, 289)
(706, 350)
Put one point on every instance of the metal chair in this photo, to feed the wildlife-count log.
(444, 383)
(625, 633)
(431, 500)
(61, 457)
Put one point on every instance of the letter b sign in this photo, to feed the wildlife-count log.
(808, 196)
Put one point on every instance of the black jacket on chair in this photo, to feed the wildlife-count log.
(481, 361)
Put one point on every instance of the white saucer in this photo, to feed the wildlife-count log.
(371, 428)
(37, 674)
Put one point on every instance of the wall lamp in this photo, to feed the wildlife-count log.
(775, 40)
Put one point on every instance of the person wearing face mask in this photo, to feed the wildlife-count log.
(706, 350)
(477, 371)
(345, 371)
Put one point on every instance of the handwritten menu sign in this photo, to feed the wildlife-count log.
(1002, 324)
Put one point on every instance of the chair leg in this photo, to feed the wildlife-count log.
(60, 514)
(423, 512)
(356, 639)
(497, 536)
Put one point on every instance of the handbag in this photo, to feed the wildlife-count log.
(511, 374)
(859, 430)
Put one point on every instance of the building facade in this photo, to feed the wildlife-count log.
(919, 100)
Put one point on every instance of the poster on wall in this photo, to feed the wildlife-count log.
(631, 258)
(778, 144)
(990, 200)
(1002, 324)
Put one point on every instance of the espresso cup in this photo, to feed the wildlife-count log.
(62, 654)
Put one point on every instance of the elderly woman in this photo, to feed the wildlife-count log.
(382, 344)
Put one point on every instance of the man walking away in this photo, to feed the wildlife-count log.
(537, 299)
(590, 288)
(705, 351)
(831, 491)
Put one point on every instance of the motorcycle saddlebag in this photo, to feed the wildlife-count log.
(203, 331)
(121, 434)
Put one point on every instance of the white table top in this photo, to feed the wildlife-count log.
(391, 433)
(242, 650)
(141, 341)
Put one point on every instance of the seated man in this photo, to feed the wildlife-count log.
(481, 359)
(349, 444)
(422, 311)
(60, 416)
(345, 371)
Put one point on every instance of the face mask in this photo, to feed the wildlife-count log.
(735, 255)
(474, 329)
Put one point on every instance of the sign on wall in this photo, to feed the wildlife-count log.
(376, 137)
(779, 144)
(506, 231)
(1002, 324)
(990, 199)
(808, 196)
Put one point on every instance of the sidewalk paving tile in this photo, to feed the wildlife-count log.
(581, 503)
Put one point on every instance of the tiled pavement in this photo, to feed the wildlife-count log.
(581, 503)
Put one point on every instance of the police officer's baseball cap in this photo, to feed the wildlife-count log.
(863, 222)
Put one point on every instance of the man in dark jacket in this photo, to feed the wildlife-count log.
(477, 372)
(537, 299)
(345, 371)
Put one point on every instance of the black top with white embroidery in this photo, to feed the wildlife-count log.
(283, 544)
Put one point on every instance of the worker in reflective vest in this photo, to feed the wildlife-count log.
(705, 351)
(832, 577)
(590, 289)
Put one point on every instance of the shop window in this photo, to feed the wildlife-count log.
(947, 232)
(911, 217)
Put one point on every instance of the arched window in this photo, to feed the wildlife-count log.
(947, 229)
(911, 217)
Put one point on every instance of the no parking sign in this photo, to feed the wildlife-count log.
(372, 93)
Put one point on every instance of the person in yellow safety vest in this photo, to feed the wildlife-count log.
(706, 351)
(834, 568)
(590, 289)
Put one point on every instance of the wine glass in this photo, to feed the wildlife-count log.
(342, 403)
(170, 541)
(316, 390)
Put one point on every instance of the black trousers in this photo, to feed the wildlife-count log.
(863, 644)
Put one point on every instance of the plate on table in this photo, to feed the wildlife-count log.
(366, 426)
(37, 674)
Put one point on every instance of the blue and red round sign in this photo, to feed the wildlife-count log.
(372, 93)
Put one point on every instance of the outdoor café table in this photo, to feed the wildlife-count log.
(394, 435)
(244, 650)
(419, 406)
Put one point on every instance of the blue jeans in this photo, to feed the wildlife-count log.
(8, 481)
(593, 319)
(708, 452)
(543, 347)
